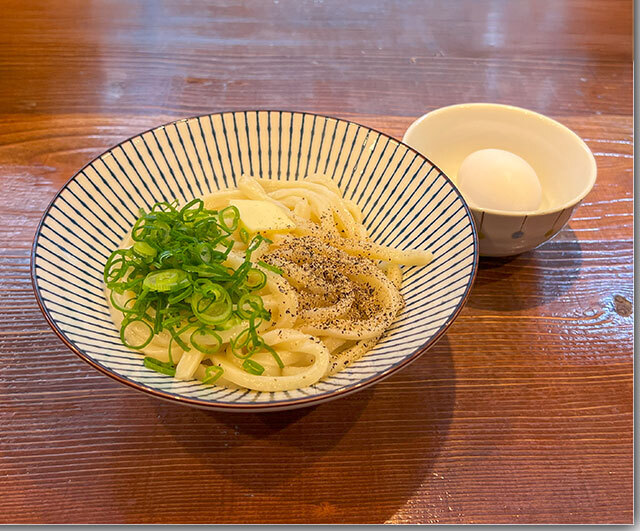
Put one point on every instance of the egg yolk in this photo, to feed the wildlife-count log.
(499, 180)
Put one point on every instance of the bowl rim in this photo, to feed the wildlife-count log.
(253, 406)
(593, 167)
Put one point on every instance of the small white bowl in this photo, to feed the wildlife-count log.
(565, 165)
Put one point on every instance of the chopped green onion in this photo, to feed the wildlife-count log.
(204, 251)
(112, 273)
(270, 267)
(144, 250)
(181, 295)
(160, 366)
(217, 271)
(274, 354)
(169, 351)
(244, 345)
(206, 341)
(255, 242)
(191, 209)
(249, 305)
(160, 231)
(229, 218)
(228, 244)
(256, 279)
(177, 281)
(207, 228)
(213, 306)
(176, 337)
(210, 378)
(240, 276)
(253, 367)
(124, 308)
(138, 229)
(128, 322)
(166, 280)
(157, 322)
(165, 207)
(164, 256)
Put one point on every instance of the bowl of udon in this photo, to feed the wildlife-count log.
(254, 260)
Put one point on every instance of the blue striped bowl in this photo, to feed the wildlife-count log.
(407, 202)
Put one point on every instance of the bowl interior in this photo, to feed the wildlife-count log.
(406, 201)
(563, 162)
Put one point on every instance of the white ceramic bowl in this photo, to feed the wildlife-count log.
(565, 165)
(406, 202)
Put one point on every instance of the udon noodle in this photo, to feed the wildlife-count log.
(330, 292)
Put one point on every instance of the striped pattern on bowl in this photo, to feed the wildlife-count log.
(407, 203)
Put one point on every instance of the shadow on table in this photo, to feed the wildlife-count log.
(356, 459)
(530, 279)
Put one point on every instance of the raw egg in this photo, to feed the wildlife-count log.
(499, 180)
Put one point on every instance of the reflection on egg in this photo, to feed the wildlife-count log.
(499, 180)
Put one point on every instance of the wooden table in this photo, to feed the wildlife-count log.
(521, 413)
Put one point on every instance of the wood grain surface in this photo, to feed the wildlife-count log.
(522, 413)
